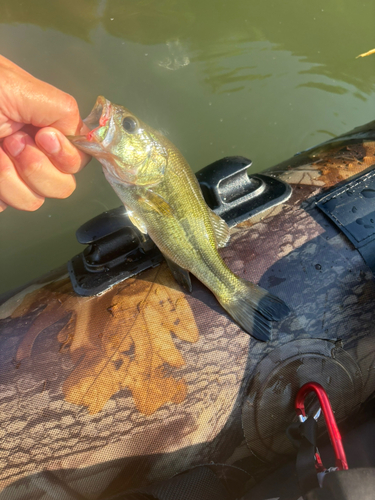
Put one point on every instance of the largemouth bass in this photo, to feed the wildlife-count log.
(163, 198)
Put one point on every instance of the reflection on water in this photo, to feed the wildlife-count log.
(259, 79)
(149, 22)
(326, 36)
(69, 16)
(225, 71)
(176, 58)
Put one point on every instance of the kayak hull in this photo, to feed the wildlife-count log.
(107, 393)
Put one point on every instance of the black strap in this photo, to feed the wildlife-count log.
(352, 484)
(303, 436)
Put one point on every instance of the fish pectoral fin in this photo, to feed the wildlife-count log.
(138, 222)
(221, 229)
(181, 275)
(156, 202)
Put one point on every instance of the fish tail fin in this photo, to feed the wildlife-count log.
(253, 308)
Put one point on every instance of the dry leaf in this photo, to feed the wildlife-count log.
(122, 339)
(366, 53)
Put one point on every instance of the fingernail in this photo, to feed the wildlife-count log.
(15, 145)
(49, 142)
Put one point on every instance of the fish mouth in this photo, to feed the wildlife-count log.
(99, 116)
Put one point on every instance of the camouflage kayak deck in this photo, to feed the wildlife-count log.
(100, 394)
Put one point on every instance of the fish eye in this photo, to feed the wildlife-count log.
(129, 124)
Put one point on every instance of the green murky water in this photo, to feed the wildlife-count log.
(262, 79)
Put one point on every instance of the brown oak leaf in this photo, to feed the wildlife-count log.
(121, 339)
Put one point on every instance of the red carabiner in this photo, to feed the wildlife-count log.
(329, 418)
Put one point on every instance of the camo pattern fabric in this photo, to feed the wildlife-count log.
(102, 394)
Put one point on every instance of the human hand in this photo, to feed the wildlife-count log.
(37, 161)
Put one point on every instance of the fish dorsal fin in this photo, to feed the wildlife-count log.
(221, 229)
(181, 275)
(156, 202)
(139, 224)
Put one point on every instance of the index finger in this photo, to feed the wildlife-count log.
(25, 99)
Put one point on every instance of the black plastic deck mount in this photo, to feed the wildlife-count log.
(351, 206)
(117, 250)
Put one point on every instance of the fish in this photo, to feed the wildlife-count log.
(163, 199)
